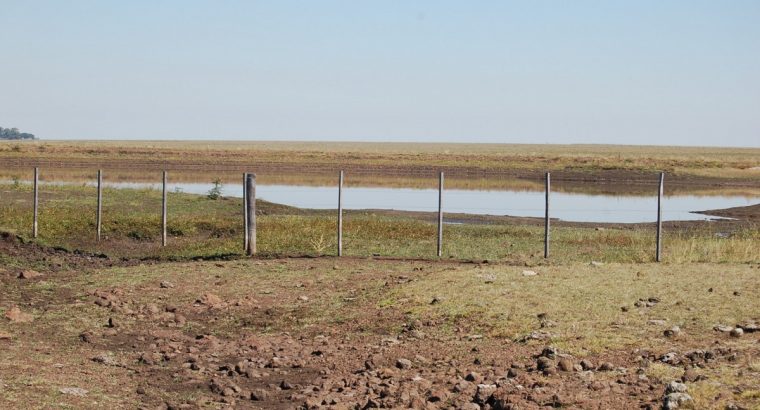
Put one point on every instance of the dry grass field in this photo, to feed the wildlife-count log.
(692, 165)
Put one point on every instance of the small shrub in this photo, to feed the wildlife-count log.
(216, 191)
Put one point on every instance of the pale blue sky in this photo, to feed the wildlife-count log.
(636, 72)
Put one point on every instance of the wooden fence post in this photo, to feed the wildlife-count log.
(245, 213)
(36, 201)
(547, 220)
(250, 194)
(99, 217)
(163, 210)
(440, 214)
(340, 213)
(658, 255)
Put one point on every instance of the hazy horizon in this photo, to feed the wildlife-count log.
(681, 73)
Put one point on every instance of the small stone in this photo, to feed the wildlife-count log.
(749, 327)
(259, 395)
(587, 364)
(565, 365)
(675, 331)
(596, 264)
(15, 315)
(736, 332)
(606, 367)
(303, 298)
(472, 377)
(285, 385)
(404, 364)
(211, 300)
(544, 363)
(657, 322)
(28, 274)
(677, 401)
(166, 284)
(74, 391)
(529, 273)
(723, 328)
(676, 387)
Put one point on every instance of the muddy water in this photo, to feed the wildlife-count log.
(577, 207)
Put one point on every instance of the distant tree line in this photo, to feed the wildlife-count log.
(14, 134)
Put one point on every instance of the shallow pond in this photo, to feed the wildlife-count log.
(565, 206)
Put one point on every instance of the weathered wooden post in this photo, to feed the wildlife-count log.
(250, 194)
(36, 201)
(340, 213)
(245, 213)
(99, 217)
(440, 214)
(163, 210)
(547, 220)
(660, 191)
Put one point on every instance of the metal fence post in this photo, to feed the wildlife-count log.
(547, 220)
(99, 218)
(340, 213)
(245, 213)
(440, 214)
(36, 201)
(658, 255)
(163, 210)
(250, 193)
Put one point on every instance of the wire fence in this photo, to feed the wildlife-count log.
(438, 202)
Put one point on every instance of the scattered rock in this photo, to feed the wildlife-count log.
(74, 391)
(723, 328)
(303, 298)
(105, 359)
(737, 332)
(677, 401)
(211, 300)
(472, 377)
(15, 315)
(587, 364)
(166, 284)
(670, 358)
(5, 336)
(606, 367)
(675, 331)
(565, 364)
(676, 396)
(597, 264)
(749, 327)
(404, 364)
(657, 322)
(529, 273)
(29, 274)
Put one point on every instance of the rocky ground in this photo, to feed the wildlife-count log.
(346, 334)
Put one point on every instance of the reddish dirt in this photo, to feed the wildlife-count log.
(353, 365)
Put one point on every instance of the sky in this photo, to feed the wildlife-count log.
(613, 72)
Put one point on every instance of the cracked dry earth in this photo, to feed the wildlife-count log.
(153, 340)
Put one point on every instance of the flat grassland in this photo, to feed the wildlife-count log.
(492, 324)
(696, 165)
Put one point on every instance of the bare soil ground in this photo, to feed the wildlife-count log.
(90, 332)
